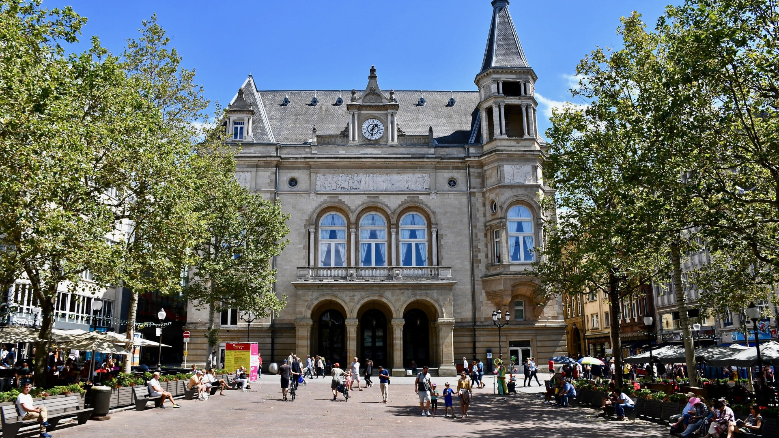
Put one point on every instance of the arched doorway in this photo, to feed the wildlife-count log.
(373, 337)
(331, 335)
(416, 338)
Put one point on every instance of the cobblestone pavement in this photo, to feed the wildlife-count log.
(260, 412)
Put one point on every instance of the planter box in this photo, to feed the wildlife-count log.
(670, 409)
(124, 396)
(665, 387)
(653, 409)
(114, 401)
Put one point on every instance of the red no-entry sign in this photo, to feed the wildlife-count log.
(186, 336)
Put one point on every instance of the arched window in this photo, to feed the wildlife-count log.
(373, 240)
(413, 240)
(520, 225)
(332, 240)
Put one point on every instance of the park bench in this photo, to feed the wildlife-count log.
(142, 397)
(57, 407)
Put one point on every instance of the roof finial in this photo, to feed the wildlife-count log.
(373, 72)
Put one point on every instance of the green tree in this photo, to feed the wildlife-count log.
(158, 181)
(62, 120)
(233, 258)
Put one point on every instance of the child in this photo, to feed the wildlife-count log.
(448, 403)
(434, 399)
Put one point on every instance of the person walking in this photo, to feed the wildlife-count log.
(526, 371)
(309, 367)
(464, 393)
(481, 374)
(448, 403)
(320, 366)
(354, 368)
(534, 371)
(368, 372)
(422, 388)
(384, 380)
(259, 367)
(286, 373)
(338, 379)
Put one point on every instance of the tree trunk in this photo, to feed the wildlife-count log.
(616, 316)
(132, 313)
(212, 354)
(46, 302)
(681, 301)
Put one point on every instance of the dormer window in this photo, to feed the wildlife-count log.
(238, 130)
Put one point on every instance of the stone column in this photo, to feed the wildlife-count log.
(351, 338)
(500, 87)
(524, 119)
(397, 347)
(446, 340)
(434, 243)
(504, 245)
(484, 129)
(394, 244)
(302, 335)
(503, 119)
(352, 245)
(311, 251)
(496, 119)
(535, 122)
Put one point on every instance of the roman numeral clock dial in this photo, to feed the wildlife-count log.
(372, 129)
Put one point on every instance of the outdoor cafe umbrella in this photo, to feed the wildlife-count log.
(747, 357)
(563, 360)
(588, 360)
(667, 354)
(121, 338)
(717, 352)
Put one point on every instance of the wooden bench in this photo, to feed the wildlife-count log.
(142, 397)
(57, 407)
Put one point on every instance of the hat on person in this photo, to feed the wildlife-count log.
(690, 395)
(447, 383)
(285, 360)
(433, 385)
(336, 365)
(694, 400)
(198, 372)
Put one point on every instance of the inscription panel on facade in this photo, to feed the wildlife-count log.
(373, 182)
(516, 174)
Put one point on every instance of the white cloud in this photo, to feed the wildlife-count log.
(573, 80)
(547, 105)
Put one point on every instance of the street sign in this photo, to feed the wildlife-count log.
(185, 352)
(186, 336)
(159, 331)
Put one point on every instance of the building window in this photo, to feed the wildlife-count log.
(519, 310)
(413, 240)
(606, 320)
(229, 317)
(373, 240)
(332, 241)
(520, 234)
(594, 321)
(496, 244)
(238, 130)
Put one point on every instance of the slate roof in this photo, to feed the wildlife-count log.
(292, 123)
(503, 47)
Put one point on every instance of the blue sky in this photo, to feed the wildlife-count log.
(330, 45)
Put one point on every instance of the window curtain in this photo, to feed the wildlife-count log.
(421, 254)
(406, 256)
(514, 248)
(324, 254)
(381, 254)
(528, 241)
(340, 249)
(365, 253)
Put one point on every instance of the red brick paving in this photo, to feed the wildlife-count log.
(260, 412)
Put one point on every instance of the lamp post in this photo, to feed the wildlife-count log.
(648, 320)
(96, 306)
(250, 318)
(753, 313)
(498, 321)
(161, 315)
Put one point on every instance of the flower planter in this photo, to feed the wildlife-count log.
(114, 401)
(124, 396)
(670, 409)
(653, 409)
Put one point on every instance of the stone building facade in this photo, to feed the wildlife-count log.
(414, 216)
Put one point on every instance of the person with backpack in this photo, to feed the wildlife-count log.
(422, 388)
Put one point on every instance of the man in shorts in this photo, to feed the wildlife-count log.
(354, 368)
(286, 373)
(422, 388)
(155, 390)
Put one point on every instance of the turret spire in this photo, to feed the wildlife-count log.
(503, 47)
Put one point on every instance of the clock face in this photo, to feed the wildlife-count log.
(372, 129)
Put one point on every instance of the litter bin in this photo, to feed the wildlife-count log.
(101, 399)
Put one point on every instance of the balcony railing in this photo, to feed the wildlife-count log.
(380, 273)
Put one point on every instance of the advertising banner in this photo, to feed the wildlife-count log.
(242, 354)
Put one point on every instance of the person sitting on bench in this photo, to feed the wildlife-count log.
(568, 392)
(28, 411)
(155, 390)
(210, 380)
(196, 381)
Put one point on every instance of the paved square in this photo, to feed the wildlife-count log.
(260, 412)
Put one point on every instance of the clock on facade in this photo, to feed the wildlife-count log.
(372, 129)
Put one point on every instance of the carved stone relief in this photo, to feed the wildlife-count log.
(361, 182)
(244, 179)
(516, 174)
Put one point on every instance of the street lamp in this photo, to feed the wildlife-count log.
(96, 306)
(250, 318)
(753, 313)
(497, 320)
(161, 315)
(648, 320)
